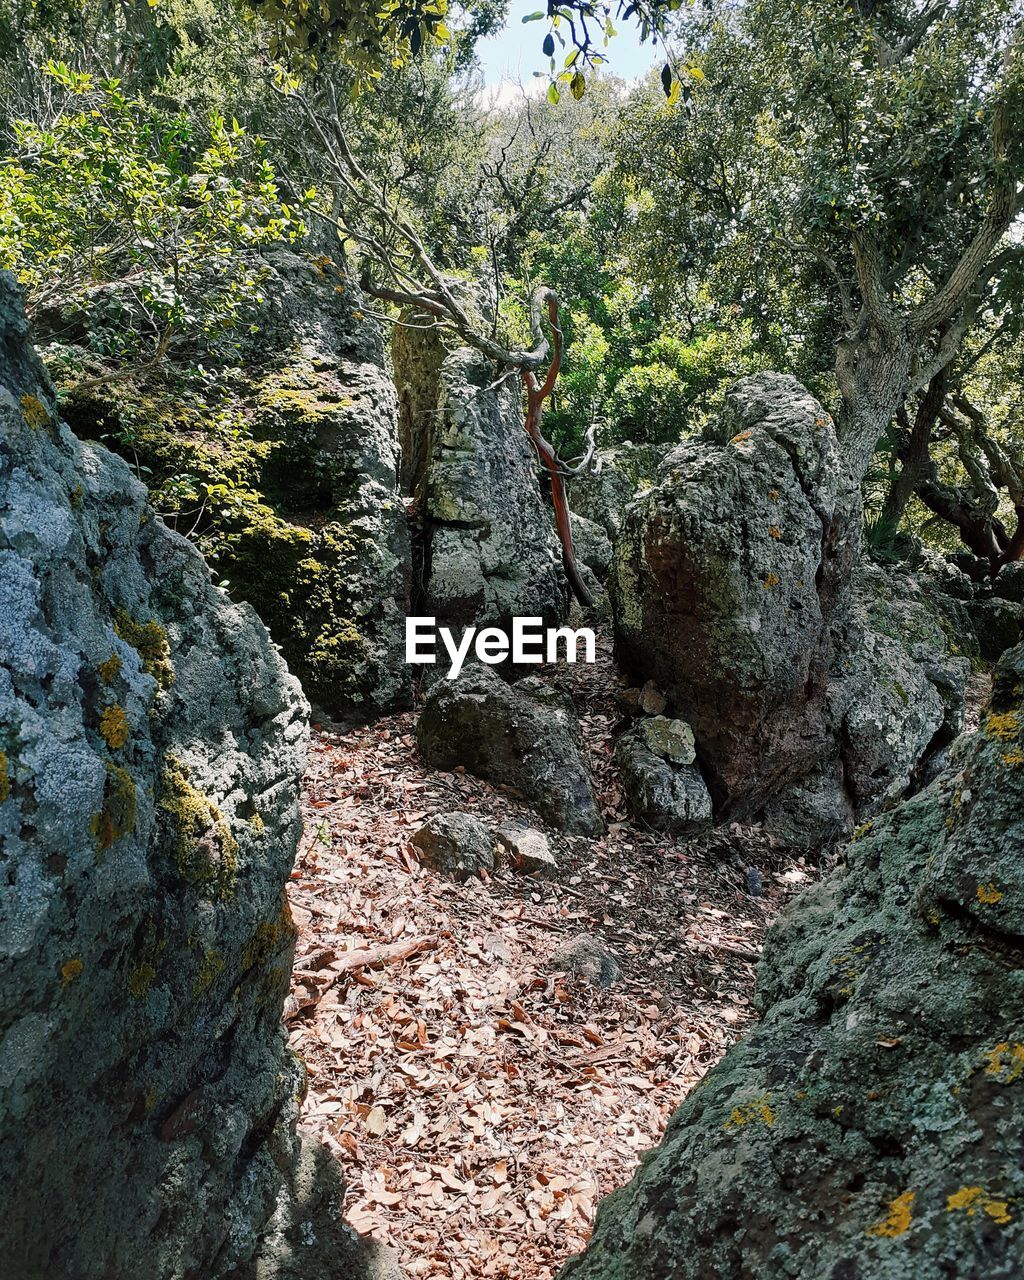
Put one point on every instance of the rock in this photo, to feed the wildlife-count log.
(151, 744)
(662, 791)
(755, 884)
(303, 443)
(672, 740)
(1009, 582)
(508, 734)
(651, 699)
(814, 687)
(528, 849)
(602, 493)
(869, 1125)
(591, 544)
(486, 543)
(725, 577)
(456, 844)
(997, 625)
(587, 957)
(897, 683)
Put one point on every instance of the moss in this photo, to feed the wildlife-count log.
(110, 669)
(5, 778)
(114, 727)
(34, 412)
(117, 817)
(202, 846)
(149, 640)
(70, 970)
(213, 964)
(141, 979)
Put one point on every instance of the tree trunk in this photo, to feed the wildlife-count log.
(914, 455)
(873, 370)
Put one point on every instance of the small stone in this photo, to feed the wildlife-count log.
(455, 844)
(755, 886)
(528, 849)
(585, 956)
(652, 700)
(670, 739)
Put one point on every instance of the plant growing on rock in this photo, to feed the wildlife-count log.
(131, 229)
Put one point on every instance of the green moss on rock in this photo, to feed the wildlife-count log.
(204, 851)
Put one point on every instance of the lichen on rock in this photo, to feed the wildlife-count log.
(870, 1124)
(149, 1100)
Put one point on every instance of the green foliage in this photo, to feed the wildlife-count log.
(109, 208)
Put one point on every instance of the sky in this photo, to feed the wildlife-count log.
(513, 54)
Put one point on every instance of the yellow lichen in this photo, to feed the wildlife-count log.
(989, 894)
(257, 823)
(743, 435)
(771, 581)
(774, 495)
(1004, 726)
(1013, 758)
(114, 726)
(974, 1199)
(117, 817)
(141, 979)
(34, 412)
(1005, 1062)
(149, 640)
(897, 1221)
(110, 669)
(70, 970)
(756, 1109)
(774, 531)
(5, 777)
(860, 832)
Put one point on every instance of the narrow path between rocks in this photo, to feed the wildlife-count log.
(480, 1102)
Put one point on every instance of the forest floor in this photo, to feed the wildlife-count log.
(480, 1102)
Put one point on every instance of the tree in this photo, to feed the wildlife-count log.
(869, 157)
(110, 207)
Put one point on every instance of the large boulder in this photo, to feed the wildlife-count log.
(813, 686)
(486, 543)
(869, 1126)
(151, 743)
(523, 736)
(284, 470)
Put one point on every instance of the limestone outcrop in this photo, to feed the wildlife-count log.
(814, 686)
(151, 743)
(523, 736)
(285, 473)
(486, 546)
(869, 1126)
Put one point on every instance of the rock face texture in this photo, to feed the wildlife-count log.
(151, 742)
(602, 492)
(813, 687)
(292, 467)
(869, 1126)
(487, 548)
(522, 735)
